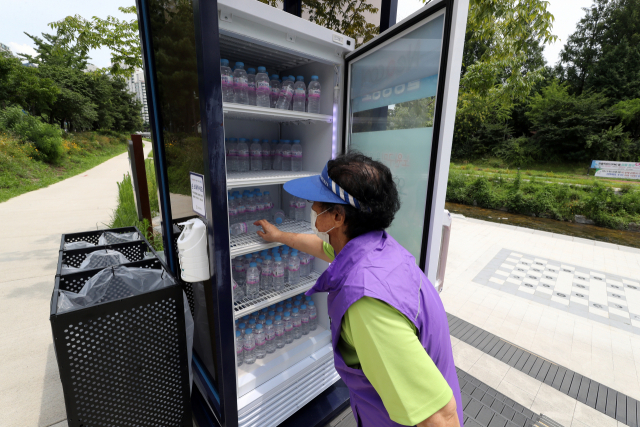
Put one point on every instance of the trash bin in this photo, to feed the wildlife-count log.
(120, 253)
(124, 360)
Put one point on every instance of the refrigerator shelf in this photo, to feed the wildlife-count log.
(267, 298)
(267, 177)
(251, 242)
(251, 112)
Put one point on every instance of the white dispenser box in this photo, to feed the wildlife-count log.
(192, 251)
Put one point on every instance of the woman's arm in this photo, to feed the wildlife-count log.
(445, 417)
(308, 243)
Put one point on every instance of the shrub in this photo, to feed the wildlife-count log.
(46, 138)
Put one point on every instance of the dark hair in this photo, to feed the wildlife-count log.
(371, 183)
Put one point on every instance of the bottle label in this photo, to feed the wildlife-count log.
(293, 268)
(278, 273)
(241, 210)
(248, 347)
(287, 91)
(233, 212)
(288, 328)
(312, 317)
(239, 351)
(260, 206)
(263, 85)
(279, 333)
(286, 154)
(270, 337)
(256, 153)
(253, 281)
(243, 153)
(260, 343)
(314, 93)
(273, 152)
(227, 81)
(239, 268)
(296, 154)
(251, 85)
(251, 209)
(240, 82)
(300, 93)
(296, 323)
(233, 152)
(305, 320)
(301, 204)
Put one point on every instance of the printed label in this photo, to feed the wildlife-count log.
(241, 210)
(263, 85)
(252, 282)
(300, 93)
(233, 212)
(275, 91)
(270, 337)
(240, 82)
(314, 93)
(260, 207)
(278, 274)
(249, 348)
(286, 154)
(297, 155)
(305, 320)
(251, 209)
(233, 152)
(227, 81)
(251, 85)
(256, 153)
(260, 343)
(312, 317)
(279, 334)
(287, 90)
(288, 329)
(239, 351)
(243, 153)
(297, 323)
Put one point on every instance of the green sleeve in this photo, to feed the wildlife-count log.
(384, 344)
(328, 251)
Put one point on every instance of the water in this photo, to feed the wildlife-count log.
(241, 208)
(299, 94)
(293, 268)
(266, 155)
(296, 156)
(251, 86)
(260, 208)
(270, 336)
(232, 155)
(278, 274)
(253, 281)
(288, 328)
(275, 89)
(263, 88)
(233, 210)
(240, 84)
(268, 206)
(239, 348)
(277, 157)
(256, 155)
(300, 209)
(286, 93)
(313, 316)
(249, 347)
(286, 155)
(278, 216)
(239, 272)
(292, 207)
(279, 329)
(243, 156)
(297, 323)
(266, 275)
(237, 228)
(274, 146)
(314, 95)
(226, 76)
(250, 217)
(238, 291)
(584, 231)
(304, 319)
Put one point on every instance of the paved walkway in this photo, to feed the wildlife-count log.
(30, 389)
(548, 317)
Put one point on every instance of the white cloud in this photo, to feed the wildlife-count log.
(22, 48)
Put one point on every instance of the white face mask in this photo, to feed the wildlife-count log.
(324, 235)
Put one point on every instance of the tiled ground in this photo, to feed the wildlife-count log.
(604, 353)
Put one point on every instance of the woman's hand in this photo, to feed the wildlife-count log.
(269, 232)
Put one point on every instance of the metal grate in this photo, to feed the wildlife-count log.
(267, 298)
(93, 236)
(255, 54)
(133, 251)
(249, 179)
(251, 242)
(251, 112)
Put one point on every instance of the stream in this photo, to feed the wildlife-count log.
(591, 232)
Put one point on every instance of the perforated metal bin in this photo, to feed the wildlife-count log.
(133, 251)
(93, 236)
(123, 362)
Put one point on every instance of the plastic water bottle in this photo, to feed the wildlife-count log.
(239, 272)
(271, 316)
(243, 156)
(263, 88)
(304, 264)
(292, 207)
(278, 217)
(274, 146)
(261, 343)
(299, 94)
(251, 216)
(278, 326)
(277, 156)
(266, 275)
(268, 205)
(226, 75)
(314, 96)
(304, 319)
(251, 86)
(300, 209)
(232, 155)
(297, 323)
(266, 155)
(313, 316)
(296, 156)
(285, 258)
(256, 155)
(261, 319)
(249, 347)
(275, 89)
(233, 210)
(286, 155)
(253, 281)
(238, 228)
(240, 84)
(278, 274)
(270, 336)
(238, 291)
(294, 268)
(286, 93)
(260, 208)
(288, 327)
(239, 348)
(242, 326)
(241, 208)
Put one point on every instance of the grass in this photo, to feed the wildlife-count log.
(21, 173)
(572, 173)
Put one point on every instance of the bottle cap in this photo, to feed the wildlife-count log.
(297, 303)
(298, 297)
(294, 253)
(268, 258)
(231, 198)
(278, 259)
(280, 309)
(224, 62)
(300, 78)
(275, 77)
(251, 70)
(303, 307)
(314, 77)
(288, 305)
(242, 325)
(265, 141)
(289, 299)
(233, 140)
(253, 264)
(278, 318)
(292, 78)
(258, 326)
(269, 322)
(295, 310)
(245, 318)
(256, 140)
(243, 139)
(238, 333)
(272, 313)
(286, 314)
(266, 193)
(262, 317)
(239, 64)
(311, 304)
(262, 70)
(296, 141)
(248, 331)
(274, 141)
(264, 310)
(278, 220)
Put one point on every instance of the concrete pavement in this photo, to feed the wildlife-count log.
(30, 389)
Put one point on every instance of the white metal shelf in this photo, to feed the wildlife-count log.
(266, 177)
(251, 112)
(267, 298)
(251, 242)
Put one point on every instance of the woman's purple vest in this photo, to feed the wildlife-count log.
(376, 266)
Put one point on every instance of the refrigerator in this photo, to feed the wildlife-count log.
(392, 98)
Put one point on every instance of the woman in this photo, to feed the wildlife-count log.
(389, 329)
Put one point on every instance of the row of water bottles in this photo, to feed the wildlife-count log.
(253, 273)
(263, 332)
(247, 208)
(244, 155)
(251, 88)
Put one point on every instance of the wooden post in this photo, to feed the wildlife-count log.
(139, 180)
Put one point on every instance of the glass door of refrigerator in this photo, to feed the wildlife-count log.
(392, 113)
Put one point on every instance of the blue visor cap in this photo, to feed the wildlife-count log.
(320, 188)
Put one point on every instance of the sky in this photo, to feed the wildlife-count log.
(33, 17)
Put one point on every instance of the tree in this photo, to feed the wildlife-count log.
(57, 50)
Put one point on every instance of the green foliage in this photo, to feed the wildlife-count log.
(46, 138)
(344, 16)
(517, 151)
(612, 144)
(57, 50)
(629, 114)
